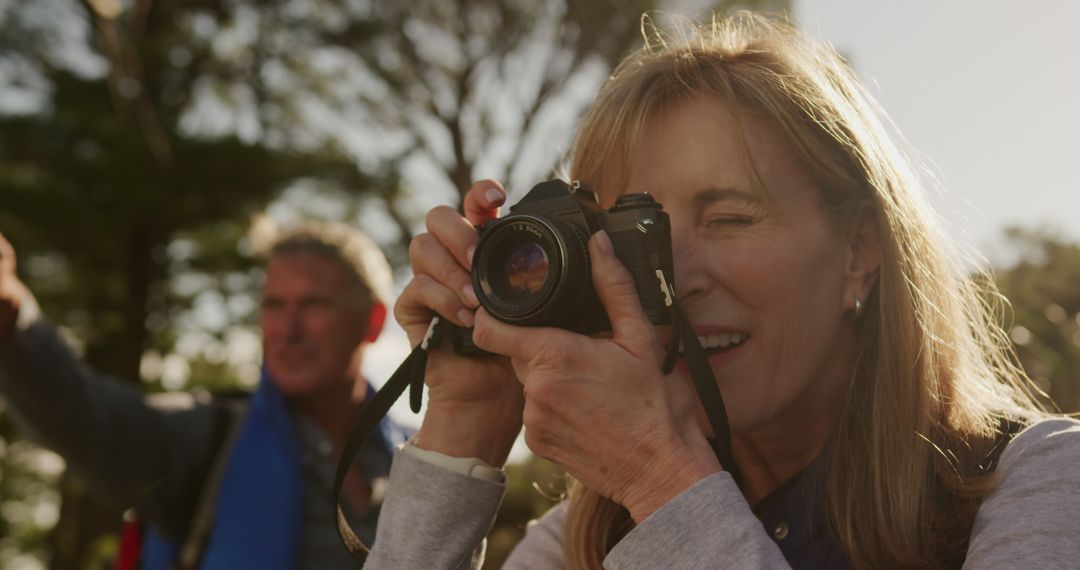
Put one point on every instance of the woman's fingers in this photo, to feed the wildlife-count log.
(482, 201)
(431, 258)
(617, 292)
(442, 258)
(424, 296)
(453, 232)
(448, 257)
(458, 234)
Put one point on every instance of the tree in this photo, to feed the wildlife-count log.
(491, 88)
(473, 82)
(109, 171)
(136, 139)
(1045, 325)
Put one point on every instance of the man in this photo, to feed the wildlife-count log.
(221, 488)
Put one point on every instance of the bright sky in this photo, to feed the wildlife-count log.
(987, 91)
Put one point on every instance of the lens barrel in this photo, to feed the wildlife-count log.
(531, 270)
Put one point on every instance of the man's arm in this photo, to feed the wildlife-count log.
(128, 452)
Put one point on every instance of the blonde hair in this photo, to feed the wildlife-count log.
(935, 376)
(351, 247)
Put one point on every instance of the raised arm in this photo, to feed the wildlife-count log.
(434, 516)
(128, 452)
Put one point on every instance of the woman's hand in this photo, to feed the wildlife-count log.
(474, 404)
(601, 408)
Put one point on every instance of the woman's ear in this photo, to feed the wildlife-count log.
(864, 259)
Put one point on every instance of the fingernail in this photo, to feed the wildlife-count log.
(604, 243)
(466, 317)
(470, 295)
(494, 196)
(469, 254)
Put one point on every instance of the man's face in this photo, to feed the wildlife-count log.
(313, 319)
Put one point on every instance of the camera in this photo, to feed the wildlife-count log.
(531, 267)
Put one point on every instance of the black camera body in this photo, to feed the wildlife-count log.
(531, 267)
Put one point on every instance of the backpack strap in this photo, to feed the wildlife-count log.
(233, 412)
(129, 551)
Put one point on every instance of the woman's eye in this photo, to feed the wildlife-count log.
(729, 221)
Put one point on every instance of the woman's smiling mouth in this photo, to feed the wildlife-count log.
(718, 342)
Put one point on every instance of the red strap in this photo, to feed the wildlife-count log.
(127, 557)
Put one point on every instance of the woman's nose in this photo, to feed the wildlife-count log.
(690, 277)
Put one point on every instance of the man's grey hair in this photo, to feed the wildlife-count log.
(348, 245)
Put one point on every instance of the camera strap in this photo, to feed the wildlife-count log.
(409, 375)
(705, 385)
(700, 371)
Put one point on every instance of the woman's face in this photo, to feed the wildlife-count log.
(761, 276)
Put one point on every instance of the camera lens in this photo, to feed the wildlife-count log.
(526, 270)
(531, 269)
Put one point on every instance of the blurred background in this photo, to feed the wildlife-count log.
(138, 137)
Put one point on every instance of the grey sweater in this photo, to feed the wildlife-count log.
(434, 518)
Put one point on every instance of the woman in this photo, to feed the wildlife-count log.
(869, 391)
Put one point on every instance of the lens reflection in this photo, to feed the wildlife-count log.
(526, 269)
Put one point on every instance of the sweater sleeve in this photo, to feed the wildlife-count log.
(1032, 518)
(433, 518)
(127, 452)
(541, 548)
(709, 525)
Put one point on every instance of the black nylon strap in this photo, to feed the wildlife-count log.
(673, 345)
(409, 375)
(697, 361)
(707, 390)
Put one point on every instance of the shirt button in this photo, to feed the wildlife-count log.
(780, 531)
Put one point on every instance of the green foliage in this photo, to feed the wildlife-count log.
(101, 178)
(1044, 289)
(28, 497)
